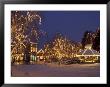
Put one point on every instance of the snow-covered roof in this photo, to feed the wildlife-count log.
(40, 51)
(88, 52)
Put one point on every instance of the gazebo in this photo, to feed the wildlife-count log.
(88, 54)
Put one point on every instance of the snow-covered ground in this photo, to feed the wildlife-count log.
(55, 70)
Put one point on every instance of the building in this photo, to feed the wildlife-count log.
(40, 55)
(88, 55)
(17, 54)
(33, 52)
(24, 54)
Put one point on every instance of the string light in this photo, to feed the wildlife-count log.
(21, 21)
(23, 31)
(62, 48)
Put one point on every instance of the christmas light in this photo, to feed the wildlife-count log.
(21, 22)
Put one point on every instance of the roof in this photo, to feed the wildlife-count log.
(88, 52)
(40, 51)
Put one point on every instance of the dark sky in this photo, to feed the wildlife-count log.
(71, 24)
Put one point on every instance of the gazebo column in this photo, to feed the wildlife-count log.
(84, 59)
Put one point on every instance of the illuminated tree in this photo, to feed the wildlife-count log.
(87, 38)
(61, 47)
(92, 38)
(96, 41)
(22, 23)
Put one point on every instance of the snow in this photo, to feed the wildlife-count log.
(55, 70)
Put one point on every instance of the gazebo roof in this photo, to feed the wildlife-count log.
(88, 52)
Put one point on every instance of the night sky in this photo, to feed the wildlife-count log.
(71, 24)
